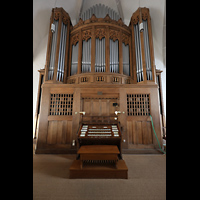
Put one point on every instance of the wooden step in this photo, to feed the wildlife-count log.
(99, 170)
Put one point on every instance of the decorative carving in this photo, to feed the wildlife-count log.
(93, 18)
(80, 22)
(75, 39)
(107, 18)
(135, 19)
(145, 15)
(100, 33)
(56, 15)
(114, 35)
(120, 22)
(86, 35)
(65, 20)
(125, 39)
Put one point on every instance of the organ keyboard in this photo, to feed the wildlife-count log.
(100, 134)
(99, 131)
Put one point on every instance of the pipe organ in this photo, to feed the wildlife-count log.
(100, 67)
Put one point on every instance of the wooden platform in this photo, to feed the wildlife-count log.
(99, 152)
(98, 170)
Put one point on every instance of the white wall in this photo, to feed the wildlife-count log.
(41, 18)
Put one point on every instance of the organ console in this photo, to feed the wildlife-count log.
(100, 134)
(99, 150)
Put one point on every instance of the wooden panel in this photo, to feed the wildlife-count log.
(101, 106)
(139, 132)
(149, 133)
(59, 132)
(52, 132)
(129, 131)
(87, 106)
(135, 133)
(104, 110)
(69, 132)
(95, 107)
(144, 132)
(64, 132)
(112, 108)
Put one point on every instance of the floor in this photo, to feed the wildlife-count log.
(146, 179)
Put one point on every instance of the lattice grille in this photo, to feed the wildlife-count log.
(61, 104)
(138, 104)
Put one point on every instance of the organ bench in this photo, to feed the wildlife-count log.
(99, 153)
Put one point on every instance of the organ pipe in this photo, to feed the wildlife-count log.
(138, 50)
(114, 56)
(100, 11)
(53, 51)
(61, 60)
(100, 55)
(147, 51)
(86, 56)
(74, 64)
(126, 69)
(102, 38)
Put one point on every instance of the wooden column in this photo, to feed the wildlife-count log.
(130, 58)
(120, 53)
(66, 54)
(107, 44)
(57, 47)
(80, 52)
(93, 44)
(70, 59)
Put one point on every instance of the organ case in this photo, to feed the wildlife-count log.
(104, 61)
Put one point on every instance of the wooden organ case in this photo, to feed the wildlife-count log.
(102, 68)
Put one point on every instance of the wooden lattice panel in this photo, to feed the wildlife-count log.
(138, 104)
(61, 104)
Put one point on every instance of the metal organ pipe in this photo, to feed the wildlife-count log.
(86, 56)
(114, 56)
(100, 55)
(53, 50)
(139, 67)
(61, 60)
(126, 69)
(100, 11)
(147, 51)
(74, 63)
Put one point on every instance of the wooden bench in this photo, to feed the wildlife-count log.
(98, 153)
